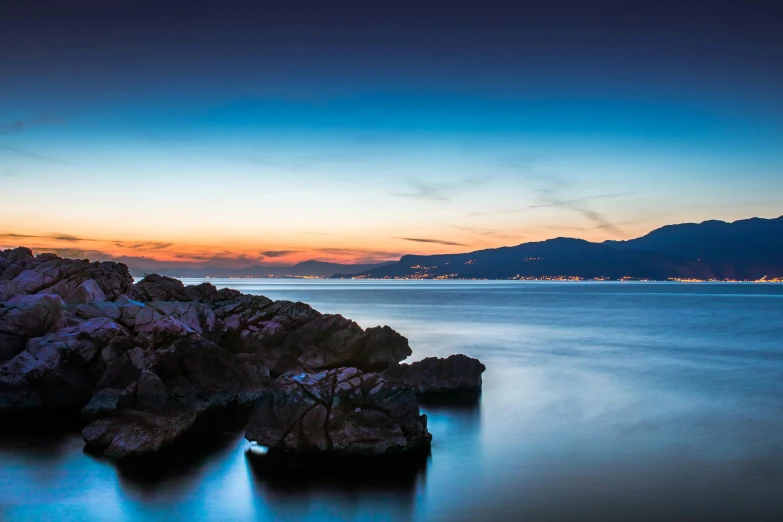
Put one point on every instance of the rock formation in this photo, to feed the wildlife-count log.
(342, 411)
(456, 374)
(145, 363)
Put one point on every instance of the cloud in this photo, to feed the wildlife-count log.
(427, 240)
(578, 205)
(145, 245)
(57, 236)
(430, 192)
(424, 191)
(32, 155)
(17, 126)
(489, 232)
(276, 253)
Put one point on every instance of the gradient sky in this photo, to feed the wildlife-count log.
(217, 132)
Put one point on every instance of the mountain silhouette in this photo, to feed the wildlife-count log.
(746, 249)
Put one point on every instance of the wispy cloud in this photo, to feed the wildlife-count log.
(490, 233)
(276, 253)
(428, 240)
(579, 205)
(32, 155)
(56, 236)
(431, 192)
(144, 245)
(20, 125)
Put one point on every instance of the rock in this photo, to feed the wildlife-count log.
(134, 433)
(456, 374)
(147, 364)
(26, 316)
(162, 288)
(282, 330)
(50, 274)
(57, 371)
(155, 287)
(148, 400)
(117, 388)
(340, 411)
(7, 290)
(14, 262)
(148, 318)
(87, 292)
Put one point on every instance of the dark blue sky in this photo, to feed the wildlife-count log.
(482, 120)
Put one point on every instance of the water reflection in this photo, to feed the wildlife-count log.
(601, 402)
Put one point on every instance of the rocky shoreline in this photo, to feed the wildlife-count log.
(143, 364)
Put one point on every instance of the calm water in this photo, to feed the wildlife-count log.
(602, 401)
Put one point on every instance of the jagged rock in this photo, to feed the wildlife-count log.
(87, 292)
(50, 274)
(7, 290)
(147, 400)
(58, 370)
(340, 411)
(155, 287)
(433, 376)
(26, 316)
(333, 341)
(13, 262)
(135, 433)
(281, 331)
(117, 387)
(207, 293)
(147, 363)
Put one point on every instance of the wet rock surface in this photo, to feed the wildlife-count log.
(145, 365)
(457, 375)
(339, 411)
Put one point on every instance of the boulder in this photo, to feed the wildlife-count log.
(282, 332)
(148, 363)
(135, 433)
(456, 374)
(26, 316)
(50, 274)
(7, 290)
(342, 411)
(155, 287)
(147, 400)
(87, 292)
(57, 371)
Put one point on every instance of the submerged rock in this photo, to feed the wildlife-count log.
(340, 411)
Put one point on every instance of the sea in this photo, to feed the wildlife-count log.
(605, 401)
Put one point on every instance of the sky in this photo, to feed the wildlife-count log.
(231, 134)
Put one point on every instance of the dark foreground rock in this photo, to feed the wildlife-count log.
(457, 375)
(144, 365)
(340, 411)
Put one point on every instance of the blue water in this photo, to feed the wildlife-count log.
(602, 401)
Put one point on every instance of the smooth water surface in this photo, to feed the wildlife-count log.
(602, 401)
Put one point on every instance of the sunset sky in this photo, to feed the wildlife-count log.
(206, 133)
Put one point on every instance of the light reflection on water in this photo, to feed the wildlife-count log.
(601, 401)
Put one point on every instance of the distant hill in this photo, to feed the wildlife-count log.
(745, 249)
(303, 269)
(748, 249)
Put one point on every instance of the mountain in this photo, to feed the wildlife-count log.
(303, 269)
(748, 249)
(745, 249)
